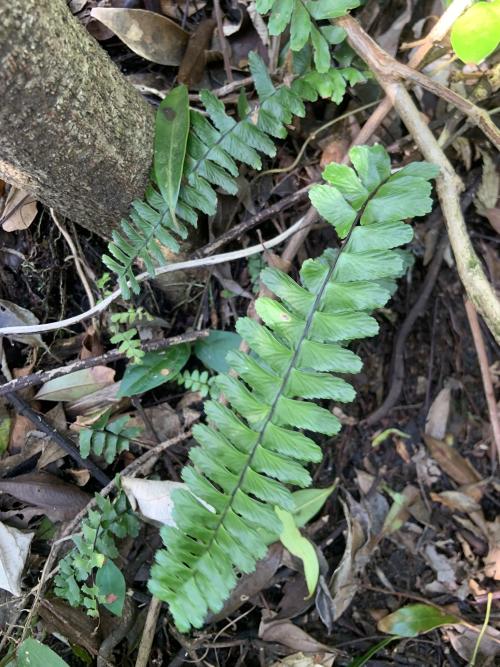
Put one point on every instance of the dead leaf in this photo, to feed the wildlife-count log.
(194, 59)
(258, 22)
(98, 402)
(19, 211)
(451, 462)
(439, 412)
(444, 567)
(389, 40)
(492, 559)
(493, 215)
(14, 549)
(148, 34)
(60, 501)
(171, 8)
(289, 634)
(301, 660)
(73, 624)
(456, 500)
(489, 189)
(76, 385)
(81, 475)
(12, 315)
(152, 497)
(398, 513)
(464, 641)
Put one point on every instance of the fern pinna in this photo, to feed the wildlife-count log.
(216, 142)
(249, 452)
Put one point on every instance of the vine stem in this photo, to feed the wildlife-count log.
(448, 184)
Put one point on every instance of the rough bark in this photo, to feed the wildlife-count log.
(73, 131)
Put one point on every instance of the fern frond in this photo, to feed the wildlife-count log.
(107, 438)
(304, 18)
(249, 452)
(216, 144)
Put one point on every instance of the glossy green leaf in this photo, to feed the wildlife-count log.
(171, 135)
(156, 369)
(415, 619)
(308, 503)
(32, 653)
(111, 583)
(476, 34)
(212, 351)
(363, 659)
(299, 546)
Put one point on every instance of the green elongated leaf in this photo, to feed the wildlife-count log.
(111, 583)
(476, 34)
(212, 351)
(156, 369)
(32, 653)
(415, 619)
(330, 9)
(308, 503)
(300, 27)
(280, 17)
(321, 50)
(171, 135)
(299, 546)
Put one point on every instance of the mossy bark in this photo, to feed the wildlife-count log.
(73, 131)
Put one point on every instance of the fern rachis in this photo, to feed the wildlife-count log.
(239, 472)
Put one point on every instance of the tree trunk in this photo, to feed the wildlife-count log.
(73, 131)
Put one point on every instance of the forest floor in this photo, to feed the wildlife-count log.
(413, 518)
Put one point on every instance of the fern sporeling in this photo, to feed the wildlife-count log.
(226, 518)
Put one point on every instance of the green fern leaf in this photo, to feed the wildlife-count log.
(216, 144)
(249, 452)
(107, 438)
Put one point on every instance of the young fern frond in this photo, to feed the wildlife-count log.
(303, 17)
(107, 438)
(216, 144)
(250, 451)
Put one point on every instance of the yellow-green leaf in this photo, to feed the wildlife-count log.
(299, 546)
(414, 620)
(476, 33)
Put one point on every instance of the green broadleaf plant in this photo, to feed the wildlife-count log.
(476, 34)
(155, 369)
(255, 447)
(415, 619)
(216, 143)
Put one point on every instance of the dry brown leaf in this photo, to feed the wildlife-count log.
(153, 498)
(76, 385)
(301, 660)
(14, 549)
(59, 500)
(73, 624)
(19, 211)
(451, 462)
(289, 634)
(493, 215)
(97, 402)
(439, 412)
(492, 559)
(172, 9)
(456, 500)
(464, 641)
(488, 191)
(148, 34)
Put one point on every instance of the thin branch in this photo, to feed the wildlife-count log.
(448, 184)
(489, 392)
(40, 377)
(178, 266)
(437, 34)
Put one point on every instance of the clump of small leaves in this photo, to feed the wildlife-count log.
(108, 438)
(200, 382)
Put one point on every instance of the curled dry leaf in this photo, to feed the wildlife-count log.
(12, 315)
(439, 412)
(150, 35)
(19, 211)
(451, 462)
(14, 548)
(289, 634)
(76, 385)
(464, 641)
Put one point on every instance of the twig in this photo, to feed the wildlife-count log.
(113, 355)
(76, 259)
(438, 32)
(486, 378)
(483, 630)
(40, 422)
(148, 633)
(397, 373)
(448, 184)
(178, 266)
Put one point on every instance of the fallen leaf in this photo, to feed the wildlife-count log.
(98, 402)
(464, 641)
(492, 559)
(398, 513)
(489, 189)
(451, 462)
(439, 412)
(12, 315)
(493, 215)
(70, 622)
(153, 498)
(456, 500)
(415, 619)
(19, 211)
(59, 500)
(194, 59)
(171, 8)
(289, 634)
(443, 566)
(76, 385)
(301, 660)
(14, 549)
(148, 34)
(300, 547)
